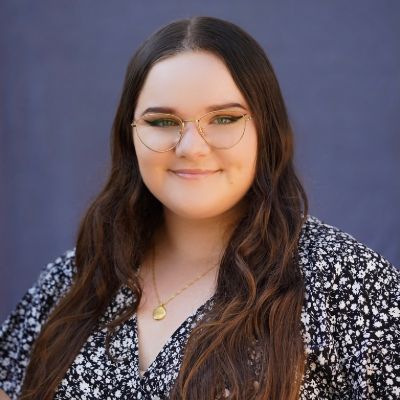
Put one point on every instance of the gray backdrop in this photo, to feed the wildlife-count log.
(62, 65)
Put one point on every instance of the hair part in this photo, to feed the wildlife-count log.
(260, 291)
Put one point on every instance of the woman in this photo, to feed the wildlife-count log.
(198, 273)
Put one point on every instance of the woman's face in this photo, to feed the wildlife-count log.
(194, 180)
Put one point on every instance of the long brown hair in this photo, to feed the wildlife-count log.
(259, 292)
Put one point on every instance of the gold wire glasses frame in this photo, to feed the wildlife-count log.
(148, 119)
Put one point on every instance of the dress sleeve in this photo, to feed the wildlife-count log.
(369, 318)
(21, 328)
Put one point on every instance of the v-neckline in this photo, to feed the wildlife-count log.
(189, 318)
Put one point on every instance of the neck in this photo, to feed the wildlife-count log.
(194, 244)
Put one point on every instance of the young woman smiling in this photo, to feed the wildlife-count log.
(198, 273)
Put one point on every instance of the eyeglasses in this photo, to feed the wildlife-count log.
(161, 132)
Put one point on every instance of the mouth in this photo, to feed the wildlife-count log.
(194, 173)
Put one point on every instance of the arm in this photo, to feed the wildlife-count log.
(372, 336)
(20, 330)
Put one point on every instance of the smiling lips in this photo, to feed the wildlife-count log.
(194, 173)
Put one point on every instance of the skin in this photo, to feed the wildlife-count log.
(201, 189)
(3, 396)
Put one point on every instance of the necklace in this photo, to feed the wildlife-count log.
(160, 311)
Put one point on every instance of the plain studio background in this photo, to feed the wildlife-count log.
(62, 66)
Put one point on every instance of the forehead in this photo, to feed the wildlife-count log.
(189, 82)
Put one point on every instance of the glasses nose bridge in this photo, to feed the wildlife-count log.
(196, 122)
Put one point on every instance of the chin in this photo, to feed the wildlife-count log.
(193, 211)
(195, 215)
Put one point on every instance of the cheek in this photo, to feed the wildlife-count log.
(150, 171)
(150, 165)
(242, 165)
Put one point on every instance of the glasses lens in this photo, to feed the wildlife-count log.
(159, 132)
(223, 129)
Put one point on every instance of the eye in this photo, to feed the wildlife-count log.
(225, 119)
(162, 122)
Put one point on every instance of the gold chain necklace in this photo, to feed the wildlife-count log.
(160, 311)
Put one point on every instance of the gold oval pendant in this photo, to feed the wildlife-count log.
(159, 312)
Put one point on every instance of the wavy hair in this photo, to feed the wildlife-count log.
(260, 290)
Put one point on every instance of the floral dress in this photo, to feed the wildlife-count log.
(350, 325)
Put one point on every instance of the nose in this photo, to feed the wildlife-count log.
(192, 142)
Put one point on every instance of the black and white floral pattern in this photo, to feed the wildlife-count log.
(350, 325)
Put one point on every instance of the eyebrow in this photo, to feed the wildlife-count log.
(215, 107)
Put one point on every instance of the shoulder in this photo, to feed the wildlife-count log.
(341, 271)
(58, 275)
(20, 330)
(53, 282)
(325, 250)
